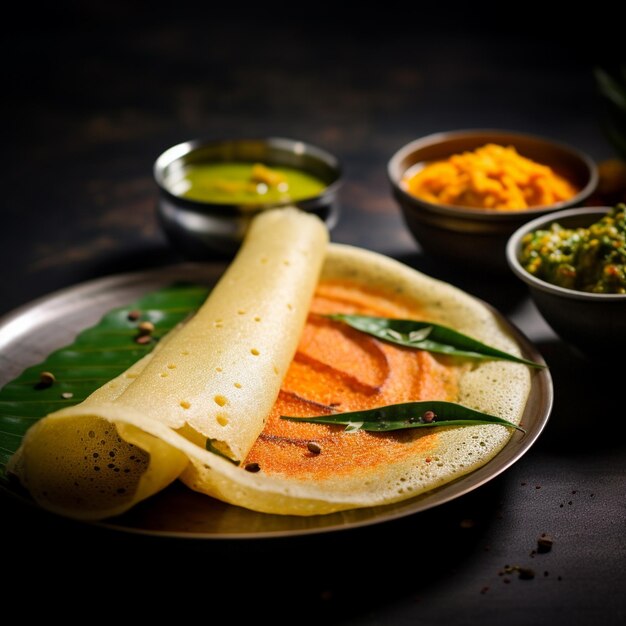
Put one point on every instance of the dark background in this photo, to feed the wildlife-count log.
(92, 96)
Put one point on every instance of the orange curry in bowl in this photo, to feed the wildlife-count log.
(490, 177)
(337, 368)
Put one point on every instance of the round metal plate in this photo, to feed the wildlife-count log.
(30, 333)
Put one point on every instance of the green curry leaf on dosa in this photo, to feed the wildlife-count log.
(426, 414)
(426, 336)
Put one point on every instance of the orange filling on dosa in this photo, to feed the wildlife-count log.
(337, 368)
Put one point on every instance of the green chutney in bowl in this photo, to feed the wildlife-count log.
(210, 190)
(247, 183)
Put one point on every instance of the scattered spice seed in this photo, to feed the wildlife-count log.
(506, 580)
(46, 379)
(252, 467)
(537, 486)
(523, 484)
(570, 503)
(484, 590)
(145, 328)
(314, 447)
(544, 544)
(545, 573)
(66, 395)
(429, 417)
(143, 339)
(134, 315)
(525, 573)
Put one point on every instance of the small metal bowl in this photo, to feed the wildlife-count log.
(477, 237)
(203, 229)
(595, 323)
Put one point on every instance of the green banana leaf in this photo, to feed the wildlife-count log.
(97, 355)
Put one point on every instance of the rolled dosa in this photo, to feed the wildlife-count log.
(156, 451)
(214, 379)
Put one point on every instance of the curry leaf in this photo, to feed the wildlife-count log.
(426, 414)
(426, 336)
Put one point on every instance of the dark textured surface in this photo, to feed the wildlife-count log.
(91, 102)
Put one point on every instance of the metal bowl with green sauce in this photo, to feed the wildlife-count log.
(211, 189)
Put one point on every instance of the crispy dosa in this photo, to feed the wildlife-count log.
(214, 379)
(351, 469)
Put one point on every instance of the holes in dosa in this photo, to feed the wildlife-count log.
(86, 450)
(220, 400)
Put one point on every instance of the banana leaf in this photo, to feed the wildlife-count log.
(97, 355)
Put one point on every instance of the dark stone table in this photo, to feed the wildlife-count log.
(90, 103)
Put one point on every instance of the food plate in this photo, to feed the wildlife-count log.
(30, 333)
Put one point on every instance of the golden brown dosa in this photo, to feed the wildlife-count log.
(357, 470)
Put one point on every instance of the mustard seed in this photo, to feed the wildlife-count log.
(46, 379)
(145, 328)
(313, 447)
